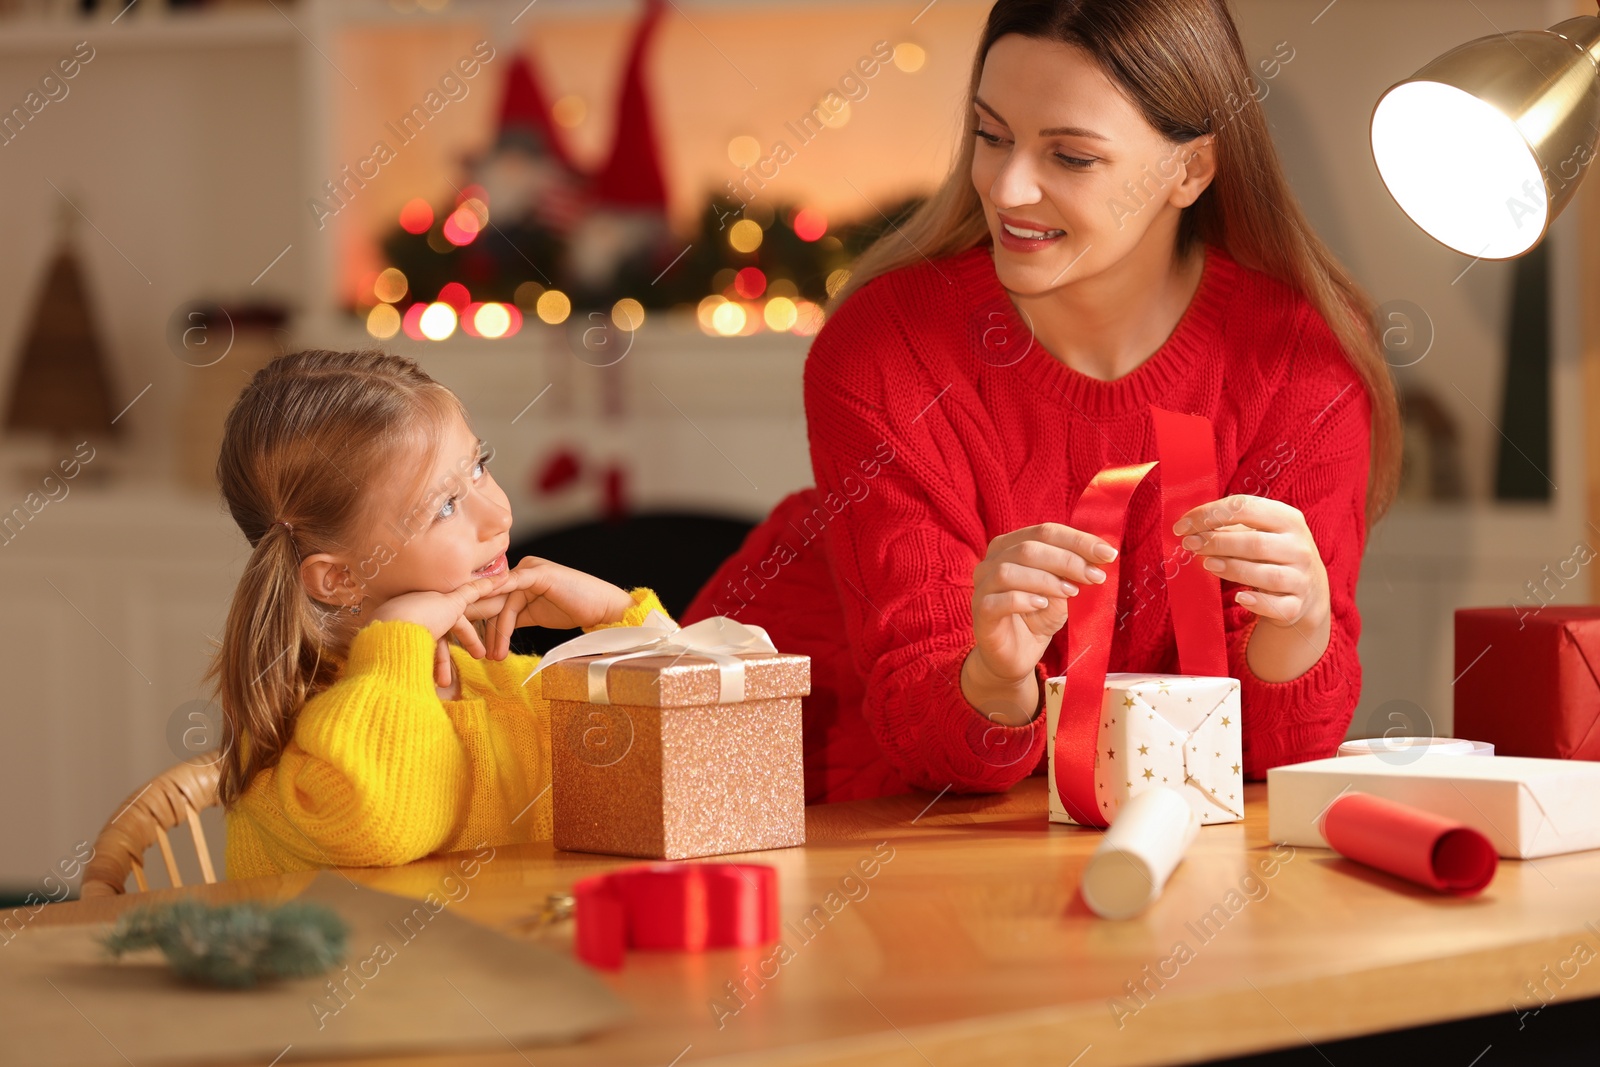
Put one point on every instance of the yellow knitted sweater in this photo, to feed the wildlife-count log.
(380, 771)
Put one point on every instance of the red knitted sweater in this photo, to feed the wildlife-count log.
(937, 422)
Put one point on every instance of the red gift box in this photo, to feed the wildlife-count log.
(1529, 681)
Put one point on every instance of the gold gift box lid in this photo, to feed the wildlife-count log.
(675, 681)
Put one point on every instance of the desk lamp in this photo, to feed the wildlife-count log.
(1484, 146)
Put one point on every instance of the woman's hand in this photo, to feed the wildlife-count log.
(538, 592)
(1019, 602)
(1265, 544)
(444, 613)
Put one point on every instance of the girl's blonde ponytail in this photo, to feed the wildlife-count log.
(304, 447)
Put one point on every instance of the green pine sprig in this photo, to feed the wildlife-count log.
(234, 945)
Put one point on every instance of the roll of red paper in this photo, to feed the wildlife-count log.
(1413, 844)
(684, 906)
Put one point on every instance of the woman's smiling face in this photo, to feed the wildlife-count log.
(1057, 141)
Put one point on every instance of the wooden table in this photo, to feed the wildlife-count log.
(969, 944)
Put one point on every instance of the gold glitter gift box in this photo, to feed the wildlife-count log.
(651, 760)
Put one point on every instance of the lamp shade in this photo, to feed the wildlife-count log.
(1485, 145)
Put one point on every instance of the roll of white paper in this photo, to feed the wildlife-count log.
(1138, 853)
(1415, 746)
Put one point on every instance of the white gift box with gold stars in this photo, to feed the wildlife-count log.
(1176, 730)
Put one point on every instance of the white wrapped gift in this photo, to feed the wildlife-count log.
(1176, 730)
(1526, 807)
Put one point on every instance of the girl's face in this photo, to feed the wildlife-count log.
(457, 530)
(1063, 154)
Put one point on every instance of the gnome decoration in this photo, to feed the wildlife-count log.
(596, 235)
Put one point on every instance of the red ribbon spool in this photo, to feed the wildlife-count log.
(1186, 453)
(684, 906)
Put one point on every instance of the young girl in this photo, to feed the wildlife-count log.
(358, 735)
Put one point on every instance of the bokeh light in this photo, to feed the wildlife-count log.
(728, 318)
(706, 309)
(554, 306)
(831, 117)
(492, 320)
(745, 235)
(383, 321)
(390, 286)
(411, 322)
(455, 294)
(416, 216)
(808, 319)
(779, 313)
(909, 57)
(569, 111)
(750, 283)
(527, 295)
(810, 224)
(438, 321)
(744, 150)
(835, 280)
(627, 313)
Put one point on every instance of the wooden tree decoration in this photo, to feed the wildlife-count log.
(61, 386)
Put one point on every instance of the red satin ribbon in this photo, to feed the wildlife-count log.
(684, 906)
(1187, 457)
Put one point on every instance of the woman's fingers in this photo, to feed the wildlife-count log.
(1256, 512)
(1080, 542)
(1267, 577)
(996, 607)
(1014, 576)
(1271, 605)
(1243, 543)
(1063, 564)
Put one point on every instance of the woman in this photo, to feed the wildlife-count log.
(1116, 232)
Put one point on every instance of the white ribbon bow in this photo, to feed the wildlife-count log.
(718, 638)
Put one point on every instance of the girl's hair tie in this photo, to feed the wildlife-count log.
(288, 526)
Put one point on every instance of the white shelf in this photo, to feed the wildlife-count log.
(203, 29)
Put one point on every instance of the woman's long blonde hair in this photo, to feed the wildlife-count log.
(308, 438)
(1181, 64)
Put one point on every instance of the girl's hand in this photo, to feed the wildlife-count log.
(1266, 545)
(538, 592)
(1020, 593)
(443, 613)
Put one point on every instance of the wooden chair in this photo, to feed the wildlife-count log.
(175, 795)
